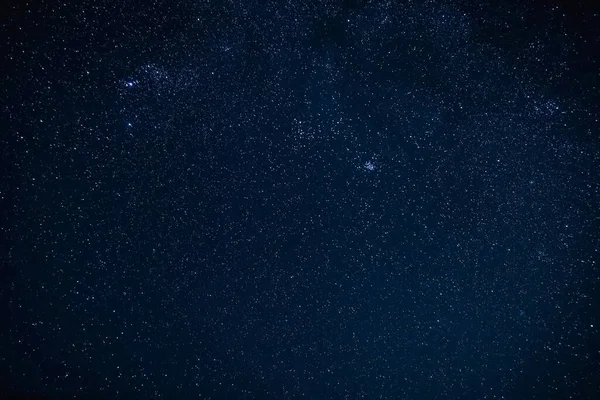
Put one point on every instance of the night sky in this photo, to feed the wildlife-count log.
(317, 199)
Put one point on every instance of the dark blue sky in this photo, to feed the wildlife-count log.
(321, 199)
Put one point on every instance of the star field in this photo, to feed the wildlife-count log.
(286, 199)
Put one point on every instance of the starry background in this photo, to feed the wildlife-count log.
(300, 199)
